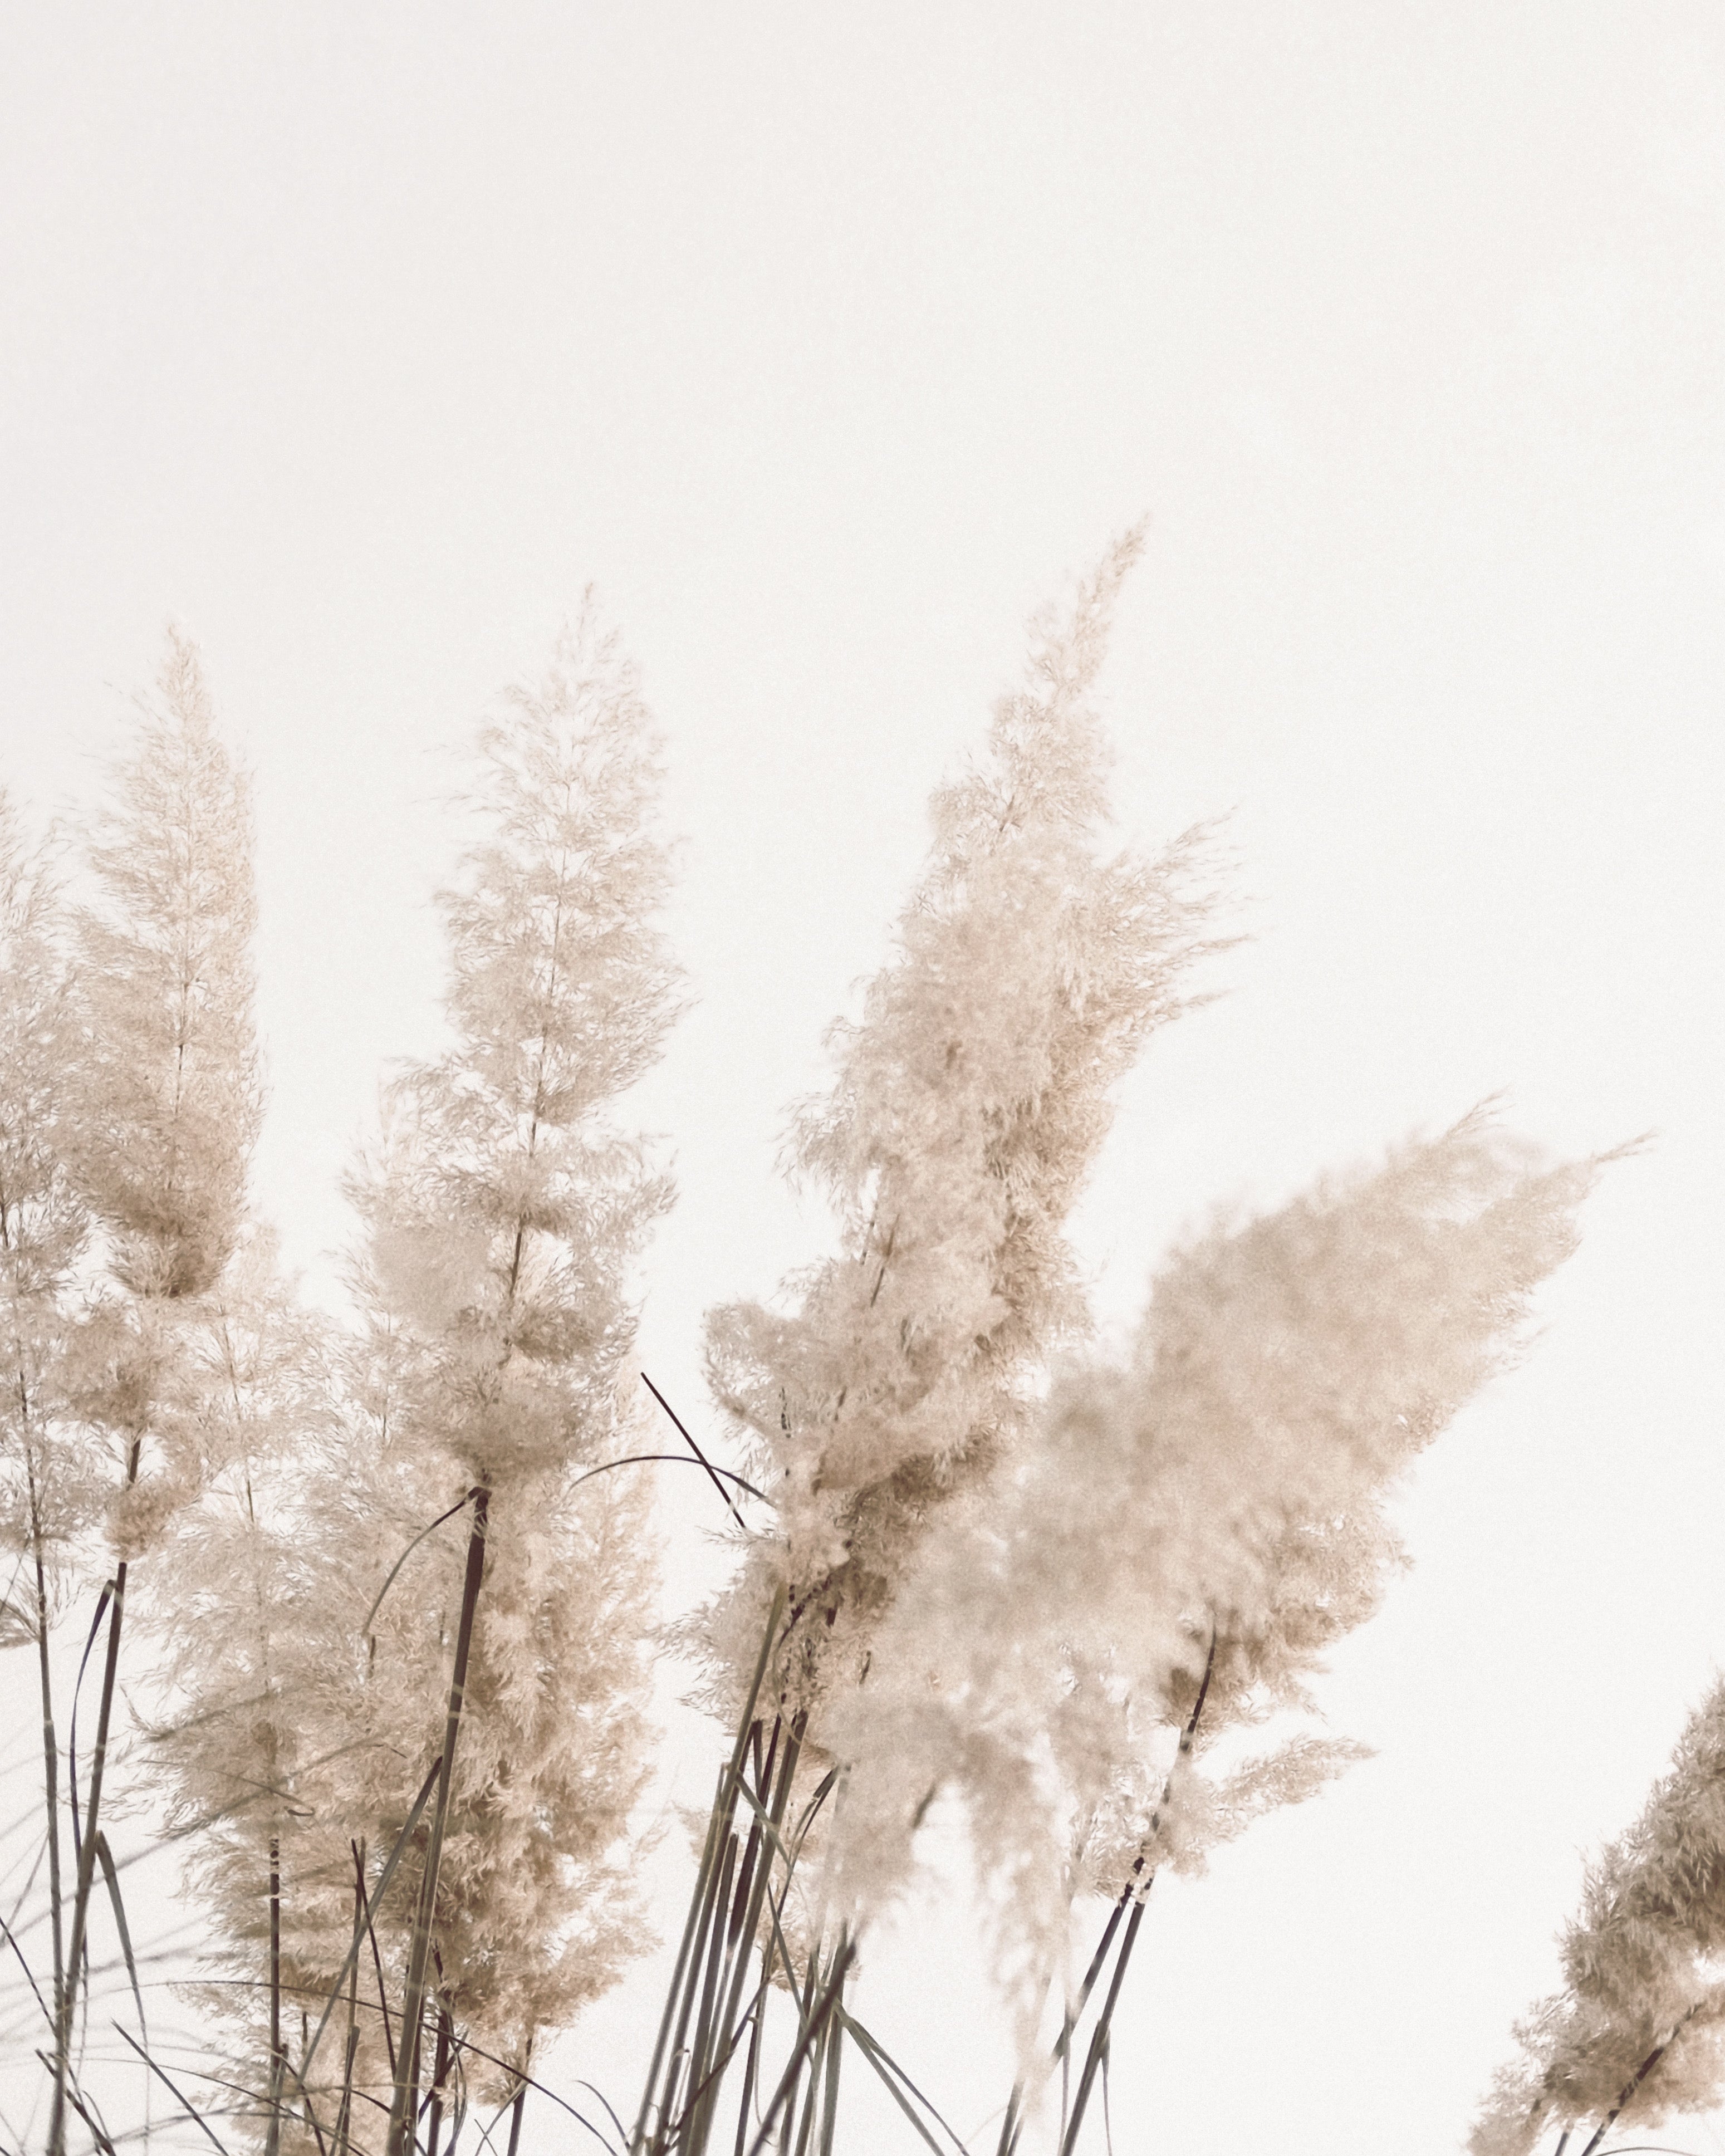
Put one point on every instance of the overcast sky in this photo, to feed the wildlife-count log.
(828, 341)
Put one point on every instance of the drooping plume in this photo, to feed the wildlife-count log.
(968, 1103)
(1202, 1521)
(1637, 2034)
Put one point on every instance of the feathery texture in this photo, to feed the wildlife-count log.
(1207, 1515)
(1637, 2035)
(968, 1103)
(163, 1098)
(161, 1108)
(169, 1101)
(242, 1614)
(503, 1216)
(46, 1477)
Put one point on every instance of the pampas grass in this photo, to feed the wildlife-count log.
(396, 1575)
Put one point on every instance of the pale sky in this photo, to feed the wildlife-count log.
(828, 341)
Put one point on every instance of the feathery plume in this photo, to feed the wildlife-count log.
(46, 1489)
(162, 1107)
(968, 1103)
(47, 1482)
(1637, 2035)
(244, 1625)
(1189, 1533)
(503, 1213)
(169, 1101)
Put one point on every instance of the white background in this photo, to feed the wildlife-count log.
(829, 341)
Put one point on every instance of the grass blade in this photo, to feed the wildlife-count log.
(813, 2023)
(104, 1857)
(891, 2073)
(183, 2102)
(395, 1855)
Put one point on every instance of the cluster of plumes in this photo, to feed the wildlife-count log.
(1187, 1533)
(969, 1101)
(1637, 2034)
(503, 1216)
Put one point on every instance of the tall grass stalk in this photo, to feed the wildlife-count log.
(943, 1465)
(658, 2127)
(50, 1740)
(714, 2017)
(272, 2138)
(76, 1955)
(412, 2012)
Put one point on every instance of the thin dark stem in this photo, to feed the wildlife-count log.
(272, 2129)
(751, 2068)
(677, 1423)
(830, 2085)
(805, 2008)
(406, 2075)
(719, 2035)
(382, 1988)
(345, 2113)
(185, 2102)
(50, 1743)
(439, 2077)
(1063, 2042)
(1132, 1896)
(394, 1569)
(1634, 2082)
(751, 1890)
(95, 1632)
(814, 2020)
(700, 2051)
(365, 1904)
(75, 1950)
(95, 2124)
(663, 2069)
(1099, 2036)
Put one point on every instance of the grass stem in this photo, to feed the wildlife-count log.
(76, 1955)
(405, 2101)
